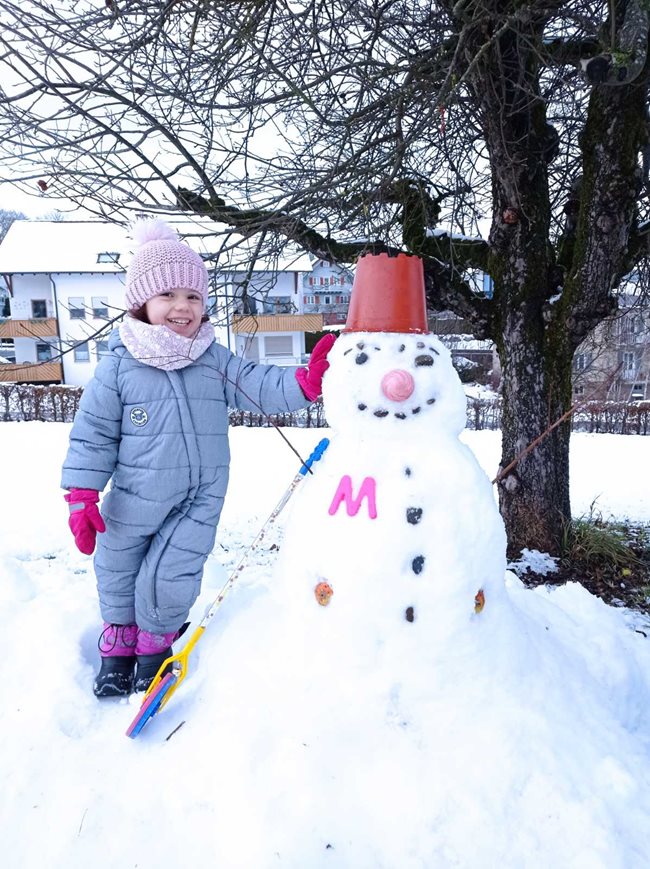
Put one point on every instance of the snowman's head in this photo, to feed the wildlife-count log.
(393, 383)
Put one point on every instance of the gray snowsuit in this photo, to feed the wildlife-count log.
(162, 436)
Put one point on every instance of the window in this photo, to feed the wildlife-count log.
(277, 305)
(100, 307)
(630, 326)
(108, 257)
(630, 364)
(328, 300)
(39, 309)
(581, 361)
(82, 352)
(7, 349)
(638, 392)
(43, 352)
(578, 390)
(101, 348)
(278, 345)
(77, 308)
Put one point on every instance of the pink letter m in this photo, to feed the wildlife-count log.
(352, 504)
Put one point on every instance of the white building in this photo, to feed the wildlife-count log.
(66, 286)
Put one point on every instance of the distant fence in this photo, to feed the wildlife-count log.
(603, 417)
(26, 402)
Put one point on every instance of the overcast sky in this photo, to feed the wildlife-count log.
(13, 199)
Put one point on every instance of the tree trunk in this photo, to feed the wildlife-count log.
(536, 376)
(534, 495)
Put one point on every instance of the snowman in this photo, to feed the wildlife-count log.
(407, 531)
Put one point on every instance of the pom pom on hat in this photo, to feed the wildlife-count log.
(162, 262)
(144, 230)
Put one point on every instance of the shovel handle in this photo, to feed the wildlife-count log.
(317, 453)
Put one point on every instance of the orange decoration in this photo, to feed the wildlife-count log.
(388, 295)
(323, 592)
(479, 601)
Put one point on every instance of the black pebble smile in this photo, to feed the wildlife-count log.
(381, 412)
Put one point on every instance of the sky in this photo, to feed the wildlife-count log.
(339, 736)
(13, 198)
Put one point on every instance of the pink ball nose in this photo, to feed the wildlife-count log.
(397, 385)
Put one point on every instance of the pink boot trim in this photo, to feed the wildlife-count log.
(153, 644)
(117, 640)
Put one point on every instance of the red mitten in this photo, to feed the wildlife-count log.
(310, 378)
(85, 519)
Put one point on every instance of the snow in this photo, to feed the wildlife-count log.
(527, 745)
(535, 561)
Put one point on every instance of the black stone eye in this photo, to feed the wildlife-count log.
(420, 345)
(402, 348)
(361, 358)
(424, 359)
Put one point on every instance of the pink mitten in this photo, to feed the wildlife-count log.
(310, 379)
(85, 519)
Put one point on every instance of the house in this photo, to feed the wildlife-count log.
(326, 290)
(65, 283)
(613, 362)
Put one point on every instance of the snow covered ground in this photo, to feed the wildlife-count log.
(540, 759)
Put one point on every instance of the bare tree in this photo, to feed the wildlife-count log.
(6, 219)
(352, 125)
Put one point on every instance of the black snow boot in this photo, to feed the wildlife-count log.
(148, 666)
(115, 677)
(150, 656)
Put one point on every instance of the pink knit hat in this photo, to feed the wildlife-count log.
(162, 262)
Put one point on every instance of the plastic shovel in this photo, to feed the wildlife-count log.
(167, 680)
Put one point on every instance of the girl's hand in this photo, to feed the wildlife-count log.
(310, 379)
(85, 519)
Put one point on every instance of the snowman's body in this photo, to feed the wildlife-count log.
(401, 519)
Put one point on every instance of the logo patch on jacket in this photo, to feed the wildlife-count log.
(139, 416)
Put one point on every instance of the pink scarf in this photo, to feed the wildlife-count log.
(160, 347)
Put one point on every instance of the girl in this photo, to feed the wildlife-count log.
(154, 421)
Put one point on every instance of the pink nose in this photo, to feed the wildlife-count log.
(397, 385)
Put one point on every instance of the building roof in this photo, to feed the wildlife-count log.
(56, 247)
(44, 246)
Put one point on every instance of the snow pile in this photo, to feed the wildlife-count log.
(526, 745)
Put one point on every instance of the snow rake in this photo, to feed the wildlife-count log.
(174, 669)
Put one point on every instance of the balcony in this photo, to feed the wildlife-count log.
(35, 328)
(31, 372)
(250, 324)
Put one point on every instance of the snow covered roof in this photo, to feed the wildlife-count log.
(33, 247)
(55, 247)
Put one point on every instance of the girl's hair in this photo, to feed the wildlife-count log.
(141, 314)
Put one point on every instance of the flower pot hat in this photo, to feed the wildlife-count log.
(388, 295)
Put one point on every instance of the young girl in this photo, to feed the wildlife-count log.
(154, 421)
